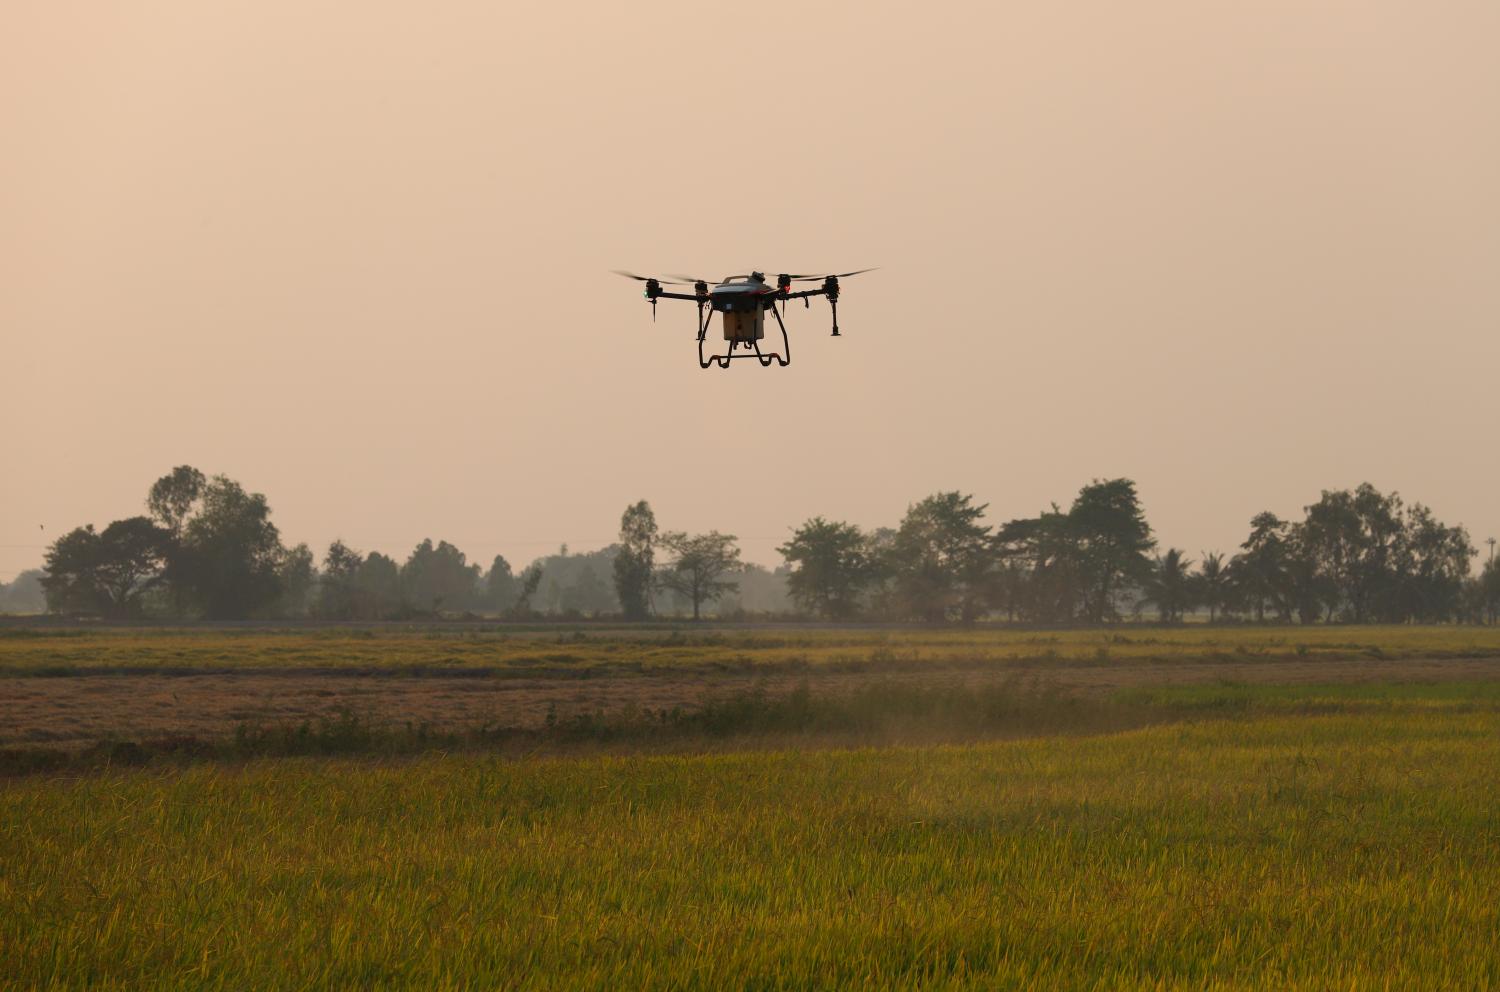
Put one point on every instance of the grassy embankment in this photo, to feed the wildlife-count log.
(582, 652)
(1325, 837)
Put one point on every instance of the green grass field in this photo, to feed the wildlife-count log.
(1274, 838)
(603, 649)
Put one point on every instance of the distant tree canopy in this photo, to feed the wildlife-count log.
(106, 572)
(940, 559)
(436, 578)
(1357, 555)
(209, 549)
(698, 565)
(1169, 586)
(173, 496)
(227, 559)
(635, 561)
(25, 593)
(831, 566)
(499, 586)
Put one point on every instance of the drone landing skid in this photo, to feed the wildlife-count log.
(752, 347)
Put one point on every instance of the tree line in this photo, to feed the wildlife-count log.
(1357, 556)
(206, 548)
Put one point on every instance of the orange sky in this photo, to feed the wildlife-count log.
(356, 256)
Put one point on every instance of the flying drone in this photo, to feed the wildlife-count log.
(744, 302)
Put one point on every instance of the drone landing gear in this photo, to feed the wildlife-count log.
(752, 347)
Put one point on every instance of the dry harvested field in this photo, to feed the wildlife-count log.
(72, 688)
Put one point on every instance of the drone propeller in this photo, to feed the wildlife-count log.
(692, 279)
(836, 275)
(632, 275)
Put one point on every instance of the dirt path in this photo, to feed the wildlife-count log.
(84, 709)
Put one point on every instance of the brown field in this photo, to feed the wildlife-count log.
(79, 710)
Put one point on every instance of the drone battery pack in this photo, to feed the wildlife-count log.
(744, 325)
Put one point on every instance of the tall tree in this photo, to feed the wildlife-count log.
(830, 567)
(942, 559)
(227, 559)
(1260, 572)
(172, 497)
(635, 563)
(499, 585)
(698, 566)
(1213, 583)
(1113, 543)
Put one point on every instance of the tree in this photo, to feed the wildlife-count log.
(1431, 565)
(437, 577)
(830, 567)
(72, 585)
(1489, 586)
(499, 585)
(699, 561)
(1112, 543)
(942, 558)
(1213, 583)
(298, 575)
(105, 572)
(172, 497)
(1304, 590)
(880, 552)
(377, 588)
(132, 554)
(1259, 572)
(635, 562)
(1040, 558)
(527, 587)
(1169, 587)
(1352, 539)
(338, 591)
(228, 558)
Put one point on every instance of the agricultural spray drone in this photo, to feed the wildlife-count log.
(744, 302)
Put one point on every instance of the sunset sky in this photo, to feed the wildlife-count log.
(357, 257)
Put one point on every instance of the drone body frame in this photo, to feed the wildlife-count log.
(742, 303)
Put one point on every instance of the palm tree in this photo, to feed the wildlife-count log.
(1213, 582)
(1170, 585)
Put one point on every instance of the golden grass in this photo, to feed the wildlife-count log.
(1358, 848)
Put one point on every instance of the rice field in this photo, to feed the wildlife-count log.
(1227, 808)
(1322, 837)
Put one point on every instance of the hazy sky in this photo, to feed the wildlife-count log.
(356, 256)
